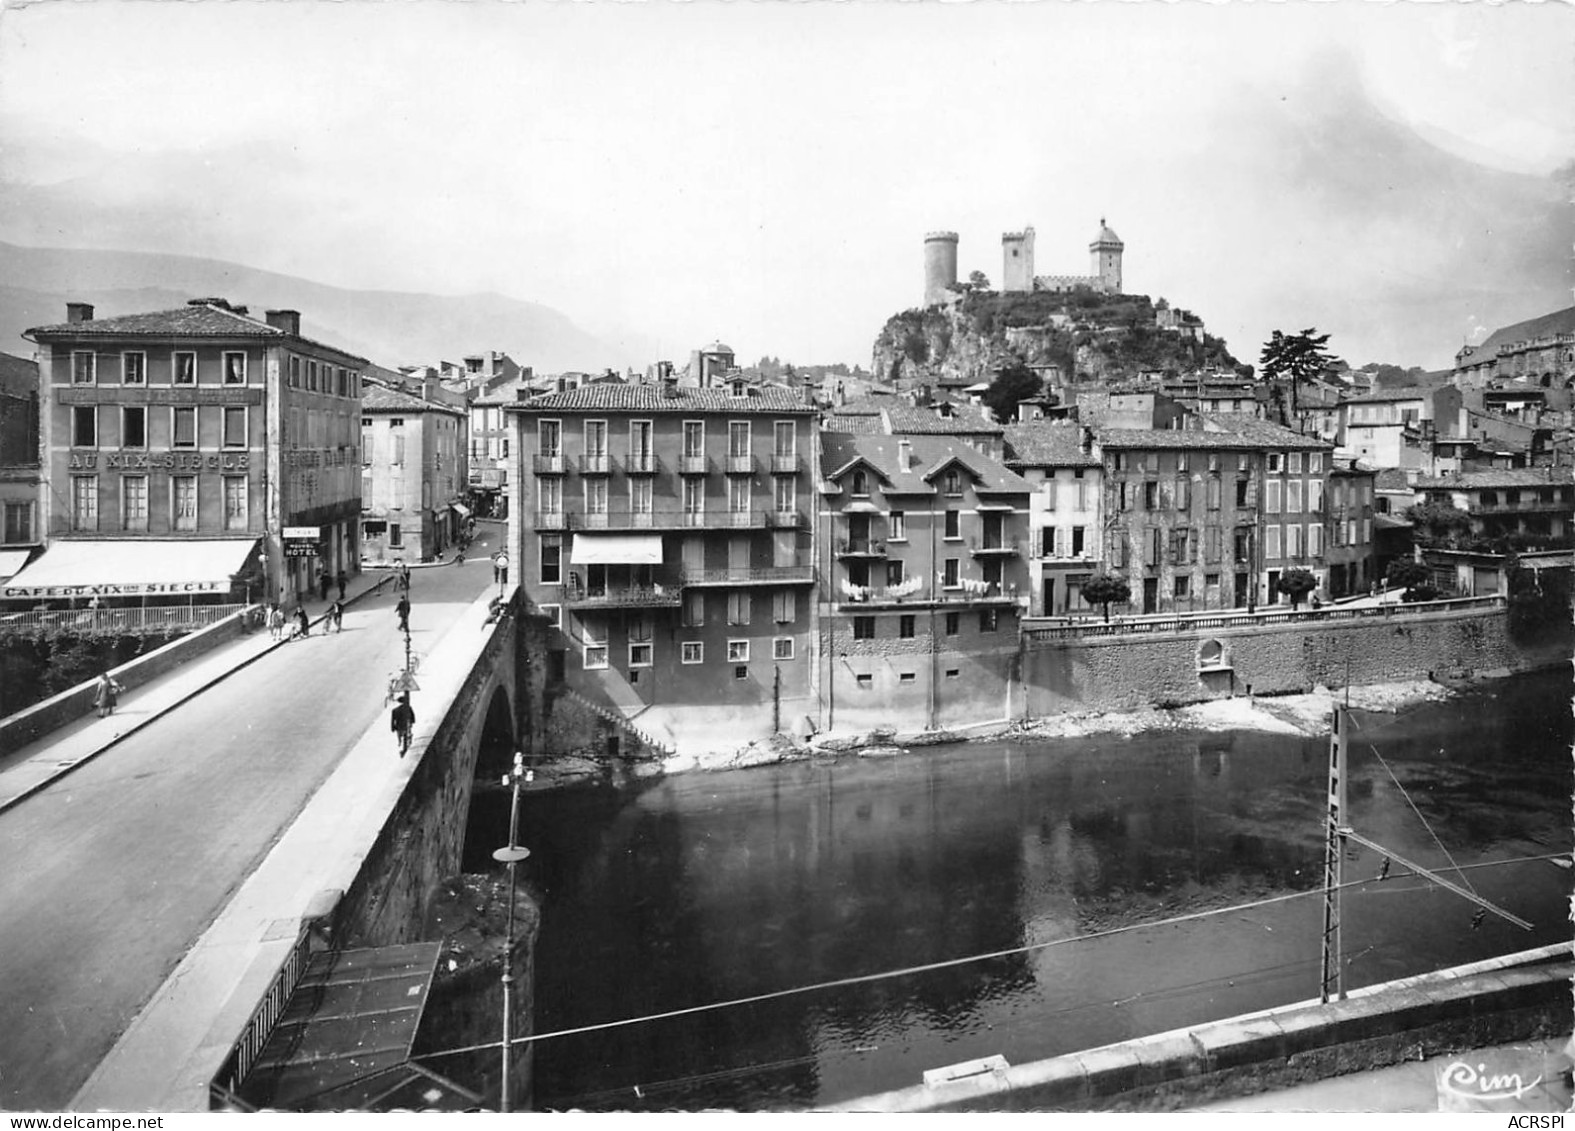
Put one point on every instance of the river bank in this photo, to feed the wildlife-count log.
(1307, 714)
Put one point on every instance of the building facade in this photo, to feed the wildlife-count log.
(1064, 518)
(21, 531)
(664, 532)
(924, 580)
(1536, 505)
(1348, 529)
(195, 425)
(413, 478)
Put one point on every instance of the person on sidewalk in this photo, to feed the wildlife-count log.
(323, 582)
(336, 616)
(404, 577)
(106, 695)
(343, 579)
(403, 609)
(303, 627)
(276, 621)
(403, 722)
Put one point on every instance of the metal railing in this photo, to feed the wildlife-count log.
(549, 464)
(740, 465)
(995, 545)
(232, 1074)
(784, 464)
(749, 575)
(693, 465)
(663, 592)
(113, 622)
(861, 547)
(785, 520)
(640, 463)
(595, 464)
(1240, 618)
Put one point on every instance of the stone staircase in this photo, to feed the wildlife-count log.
(620, 721)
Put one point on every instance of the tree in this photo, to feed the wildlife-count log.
(979, 281)
(1106, 589)
(1296, 584)
(1414, 577)
(1297, 358)
(1012, 384)
(1438, 524)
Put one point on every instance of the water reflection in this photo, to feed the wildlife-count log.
(705, 888)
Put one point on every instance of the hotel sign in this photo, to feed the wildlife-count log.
(301, 541)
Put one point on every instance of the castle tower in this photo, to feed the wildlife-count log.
(940, 266)
(1106, 252)
(1017, 260)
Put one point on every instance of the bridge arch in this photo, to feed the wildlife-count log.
(497, 742)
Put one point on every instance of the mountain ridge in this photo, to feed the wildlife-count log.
(391, 328)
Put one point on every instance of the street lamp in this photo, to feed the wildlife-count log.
(511, 854)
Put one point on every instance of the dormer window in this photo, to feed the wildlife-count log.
(738, 388)
(951, 483)
(861, 485)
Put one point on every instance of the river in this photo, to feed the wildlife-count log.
(704, 888)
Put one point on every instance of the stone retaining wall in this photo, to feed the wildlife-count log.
(24, 727)
(1130, 672)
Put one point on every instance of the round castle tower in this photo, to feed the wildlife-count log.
(1106, 254)
(940, 266)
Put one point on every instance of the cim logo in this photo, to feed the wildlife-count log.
(1478, 1086)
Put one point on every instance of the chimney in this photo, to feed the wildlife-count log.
(79, 312)
(904, 455)
(287, 320)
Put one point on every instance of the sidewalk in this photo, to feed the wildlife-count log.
(34, 767)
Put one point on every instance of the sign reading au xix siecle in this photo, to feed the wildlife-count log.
(160, 461)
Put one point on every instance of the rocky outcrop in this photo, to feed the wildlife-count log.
(1087, 336)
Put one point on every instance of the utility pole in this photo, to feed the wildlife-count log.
(511, 855)
(1334, 862)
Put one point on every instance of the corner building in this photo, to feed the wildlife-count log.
(178, 447)
(663, 531)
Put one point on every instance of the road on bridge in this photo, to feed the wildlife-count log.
(110, 875)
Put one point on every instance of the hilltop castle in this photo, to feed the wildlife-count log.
(1017, 265)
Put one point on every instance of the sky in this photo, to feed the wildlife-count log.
(764, 172)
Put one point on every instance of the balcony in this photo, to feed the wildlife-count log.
(550, 520)
(860, 548)
(598, 463)
(991, 547)
(553, 464)
(751, 575)
(740, 465)
(693, 465)
(640, 463)
(744, 518)
(664, 593)
(784, 464)
(785, 520)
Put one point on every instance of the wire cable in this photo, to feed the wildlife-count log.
(862, 979)
(1421, 818)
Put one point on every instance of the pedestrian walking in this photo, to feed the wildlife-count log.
(343, 580)
(106, 694)
(303, 627)
(323, 582)
(403, 609)
(276, 621)
(336, 616)
(404, 577)
(403, 721)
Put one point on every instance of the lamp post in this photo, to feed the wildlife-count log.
(511, 854)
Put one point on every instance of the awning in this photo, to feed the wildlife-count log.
(616, 549)
(105, 568)
(11, 562)
(353, 1015)
(460, 509)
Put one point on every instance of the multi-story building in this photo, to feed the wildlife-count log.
(21, 532)
(1535, 503)
(195, 451)
(664, 530)
(413, 477)
(924, 578)
(1210, 517)
(1348, 528)
(1064, 524)
(1373, 425)
(1539, 351)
